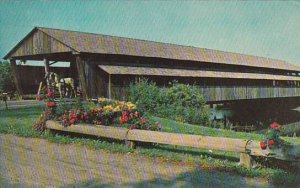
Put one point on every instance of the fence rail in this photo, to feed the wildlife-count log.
(246, 148)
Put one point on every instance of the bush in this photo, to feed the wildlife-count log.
(179, 102)
(6, 79)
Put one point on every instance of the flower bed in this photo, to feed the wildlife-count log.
(101, 112)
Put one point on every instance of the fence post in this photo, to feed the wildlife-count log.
(247, 160)
(130, 144)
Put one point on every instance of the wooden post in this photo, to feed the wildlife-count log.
(47, 72)
(16, 77)
(130, 144)
(109, 86)
(82, 79)
(247, 160)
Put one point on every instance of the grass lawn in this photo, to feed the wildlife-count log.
(175, 127)
(19, 122)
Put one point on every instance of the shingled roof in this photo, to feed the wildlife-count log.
(104, 44)
(150, 71)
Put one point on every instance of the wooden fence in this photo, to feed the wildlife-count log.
(246, 148)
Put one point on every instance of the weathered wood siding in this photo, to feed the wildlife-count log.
(39, 43)
(225, 93)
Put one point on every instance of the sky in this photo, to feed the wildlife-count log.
(262, 28)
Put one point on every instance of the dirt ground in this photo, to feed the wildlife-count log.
(31, 162)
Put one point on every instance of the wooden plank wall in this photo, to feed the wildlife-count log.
(39, 43)
(221, 93)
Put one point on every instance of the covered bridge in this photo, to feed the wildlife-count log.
(105, 65)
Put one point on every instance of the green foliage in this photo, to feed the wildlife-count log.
(180, 102)
(6, 79)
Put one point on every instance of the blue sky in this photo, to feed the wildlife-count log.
(262, 28)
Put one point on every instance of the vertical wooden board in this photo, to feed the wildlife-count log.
(36, 43)
(91, 79)
(82, 77)
(109, 86)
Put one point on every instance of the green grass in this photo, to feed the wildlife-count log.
(19, 122)
(176, 127)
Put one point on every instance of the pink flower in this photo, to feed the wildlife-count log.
(274, 125)
(49, 93)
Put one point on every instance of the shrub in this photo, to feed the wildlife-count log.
(179, 102)
(6, 79)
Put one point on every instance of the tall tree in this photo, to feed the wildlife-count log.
(6, 79)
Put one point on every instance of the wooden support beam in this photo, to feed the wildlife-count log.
(82, 79)
(109, 86)
(53, 62)
(16, 77)
(47, 71)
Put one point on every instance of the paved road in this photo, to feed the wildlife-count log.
(31, 162)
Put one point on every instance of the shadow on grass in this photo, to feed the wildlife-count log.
(197, 152)
(194, 152)
(23, 112)
(193, 178)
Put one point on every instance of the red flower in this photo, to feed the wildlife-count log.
(274, 125)
(72, 121)
(72, 115)
(49, 93)
(123, 119)
(271, 142)
(263, 144)
(50, 104)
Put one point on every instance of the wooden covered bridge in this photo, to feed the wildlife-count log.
(105, 65)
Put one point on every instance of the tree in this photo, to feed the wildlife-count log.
(6, 79)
